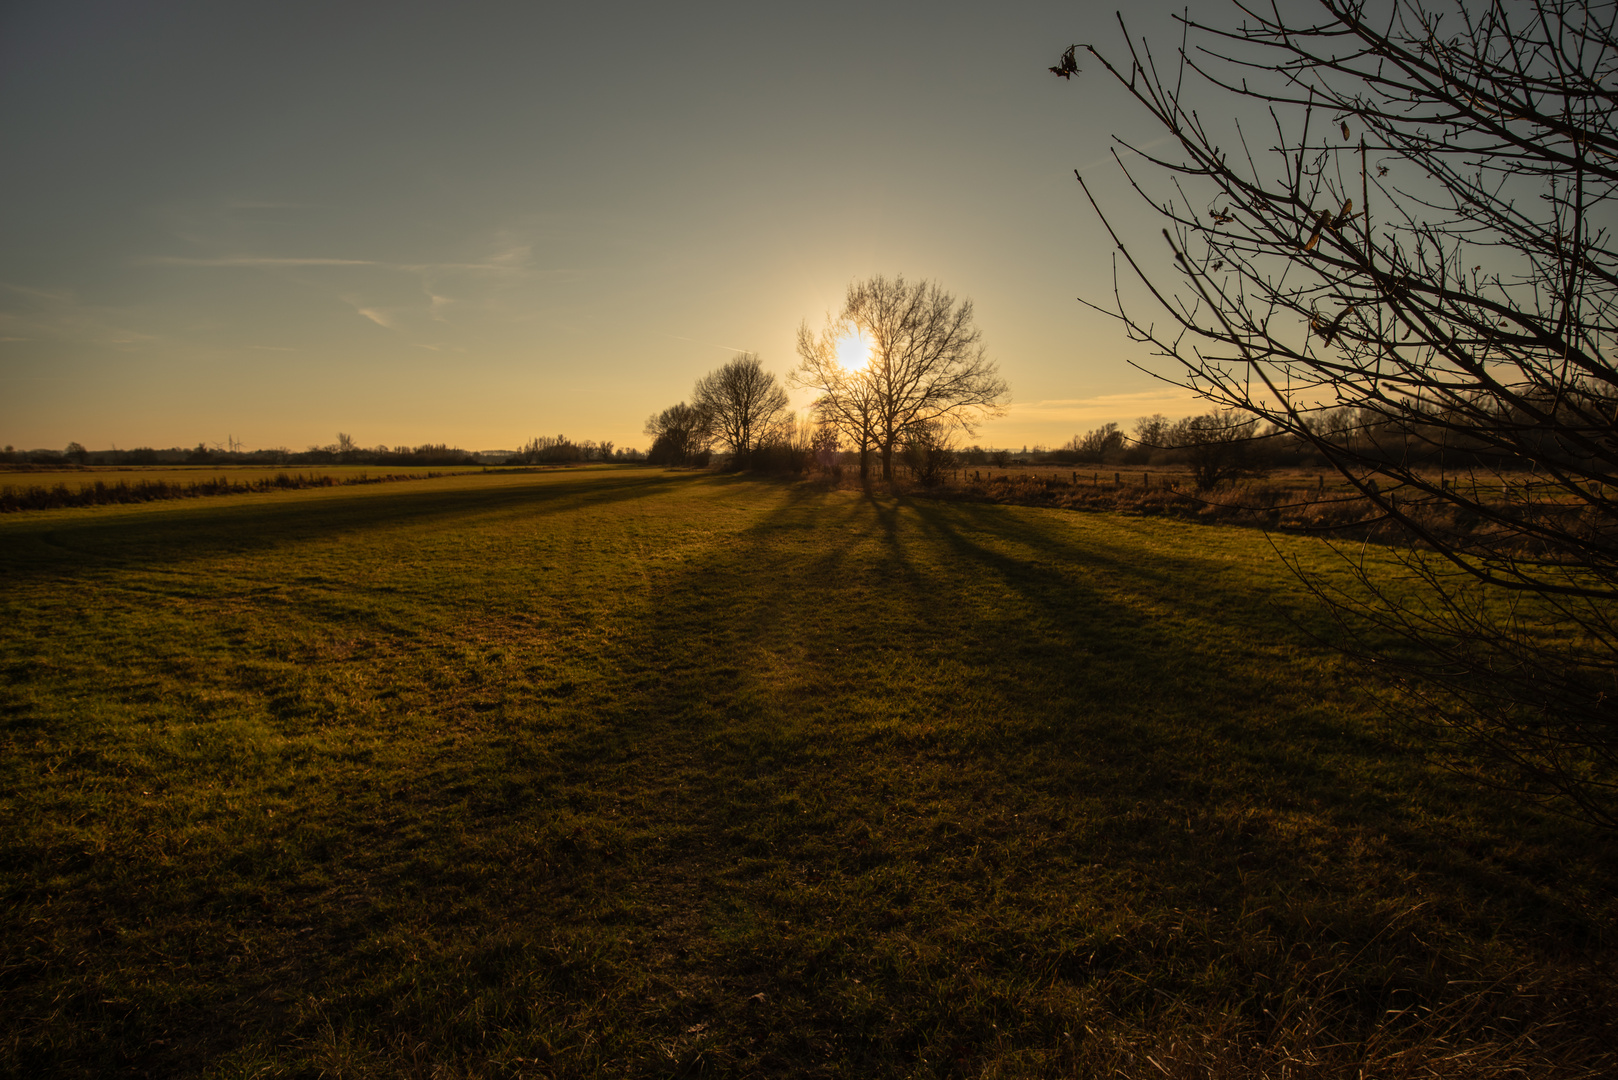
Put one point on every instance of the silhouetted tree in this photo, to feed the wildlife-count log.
(680, 436)
(741, 402)
(929, 452)
(1422, 241)
(927, 366)
(1218, 446)
(1102, 444)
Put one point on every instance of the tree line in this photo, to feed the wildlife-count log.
(343, 451)
(1228, 444)
(544, 450)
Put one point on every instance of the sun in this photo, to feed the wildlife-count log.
(853, 351)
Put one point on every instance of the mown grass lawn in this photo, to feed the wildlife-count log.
(640, 773)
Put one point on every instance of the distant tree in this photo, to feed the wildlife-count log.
(1218, 446)
(557, 450)
(1105, 443)
(929, 452)
(681, 435)
(927, 365)
(787, 447)
(825, 446)
(76, 452)
(1152, 431)
(741, 402)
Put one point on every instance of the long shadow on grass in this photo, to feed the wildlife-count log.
(953, 852)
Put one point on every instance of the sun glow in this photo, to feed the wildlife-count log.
(853, 351)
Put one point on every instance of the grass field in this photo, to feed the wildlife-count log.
(37, 476)
(630, 773)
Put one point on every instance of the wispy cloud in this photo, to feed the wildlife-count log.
(431, 267)
(267, 204)
(292, 262)
(37, 294)
(251, 260)
(1104, 406)
(42, 315)
(707, 344)
(381, 318)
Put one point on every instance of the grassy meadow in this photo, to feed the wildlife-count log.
(41, 476)
(69, 487)
(636, 773)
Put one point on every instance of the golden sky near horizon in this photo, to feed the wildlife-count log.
(480, 223)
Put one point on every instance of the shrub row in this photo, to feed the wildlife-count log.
(101, 493)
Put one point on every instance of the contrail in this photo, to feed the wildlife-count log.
(709, 344)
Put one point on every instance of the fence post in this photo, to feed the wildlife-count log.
(1117, 479)
(1145, 479)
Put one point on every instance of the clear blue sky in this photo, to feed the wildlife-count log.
(475, 223)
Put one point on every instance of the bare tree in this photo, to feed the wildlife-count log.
(1420, 241)
(1099, 444)
(929, 452)
(1217, 446)
(680, 435)
(741, 401)
(1152, 432)
(927, 365)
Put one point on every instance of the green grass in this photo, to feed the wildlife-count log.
(636, 773)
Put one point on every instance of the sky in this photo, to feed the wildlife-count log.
(483, 222)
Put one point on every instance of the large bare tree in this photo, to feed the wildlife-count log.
(1409, 222)
(927, 365)
(741, 401)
